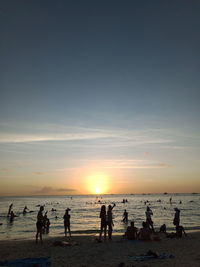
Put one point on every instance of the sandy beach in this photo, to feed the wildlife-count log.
(86, 251)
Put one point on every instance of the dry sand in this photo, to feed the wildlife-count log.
(109, 253)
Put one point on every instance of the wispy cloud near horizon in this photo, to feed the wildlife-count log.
(57, 133)
(51, 190)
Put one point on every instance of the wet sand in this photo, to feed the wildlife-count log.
(88, 252)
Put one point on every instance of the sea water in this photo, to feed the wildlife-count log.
(85, 213)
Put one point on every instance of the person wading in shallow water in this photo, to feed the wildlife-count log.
(39, 224)
(66, 218)
(176, 220)
(148, 218)
(125, 217)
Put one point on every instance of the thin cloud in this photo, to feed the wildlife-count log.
(109, 137)
(65, 190)
(123, 164)
(39, 173)
(5, 170)
(51, 190)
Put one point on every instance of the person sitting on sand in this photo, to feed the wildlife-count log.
(163, 229)
(176, 220)
(103, 221)
(144, 233)
(131, 232)
(148, 218)
(125, 217)
(9, 209)
(39, 224)
(180, 231)
(110, 221)
(66, 218)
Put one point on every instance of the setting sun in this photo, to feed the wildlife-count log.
(97, 183)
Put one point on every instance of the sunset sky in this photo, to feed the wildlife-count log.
(99, 97)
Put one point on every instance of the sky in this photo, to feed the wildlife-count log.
(99, 97)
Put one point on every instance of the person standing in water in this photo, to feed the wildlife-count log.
(103, 226)
(9, 209)
(39, 224)
(110, 221)
(66, 218)
(25, 210)
(125, 217)
(176, 220)
(148, 218)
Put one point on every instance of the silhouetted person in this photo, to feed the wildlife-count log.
(180, 231)
(176, 220)
(40, 223)
(46, 225)
(148, 218)
(103, 225)
(125, 217)
(110, 221)
(45, 221)
(163, 229)
(170, 200)
(25, 210)
(145, 232)
(9, 209)
(12, 216)
(66, 218)
(131, 232)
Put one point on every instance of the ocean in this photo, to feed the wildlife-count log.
(85, 213)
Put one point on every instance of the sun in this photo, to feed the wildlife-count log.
(97, 183)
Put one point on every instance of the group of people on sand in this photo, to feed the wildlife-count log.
(147, 229)
(106, 224)
(43, 223)
(106, 220)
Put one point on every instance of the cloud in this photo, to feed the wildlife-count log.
(50, 190)
(39, 173)
(125, 164)
(5, 170)
(112, 137)
(65, 190)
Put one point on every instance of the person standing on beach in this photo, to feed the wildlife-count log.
(66, 218)
(176, 220)
(148, 218)
(103, 226)
(110, 221)
(39, 224)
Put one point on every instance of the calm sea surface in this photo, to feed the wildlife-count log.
(85, 213)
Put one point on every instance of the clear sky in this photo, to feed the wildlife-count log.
(99, 96)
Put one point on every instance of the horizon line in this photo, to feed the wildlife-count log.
(71, 195)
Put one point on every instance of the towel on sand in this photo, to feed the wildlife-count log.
(152, 255)
(28, 262)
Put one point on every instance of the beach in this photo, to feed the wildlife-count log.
(86, 251)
